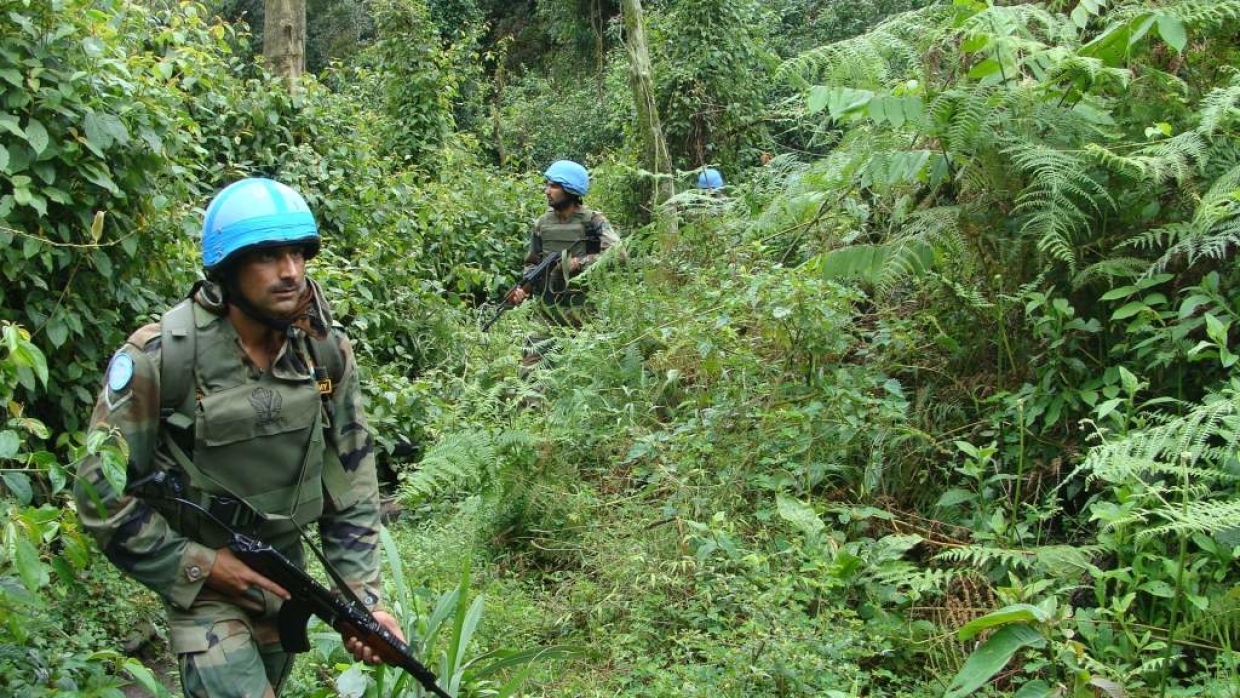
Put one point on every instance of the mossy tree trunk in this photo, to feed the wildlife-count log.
(655, 156)
(284, 39)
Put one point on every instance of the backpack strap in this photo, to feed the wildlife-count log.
(594, 233)
(327, 350)
(177, 337)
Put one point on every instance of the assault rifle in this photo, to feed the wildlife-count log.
(530, 279)
(343, 611)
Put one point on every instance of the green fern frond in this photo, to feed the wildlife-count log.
(1022, 26)
(1171, 159)
(972, 297)
(459, 461)
(1203, 517)
(981, 556)
(872, 59)
(1110, 270)
(1220, 108)
(1204, 15)
(1160, 238)
(1215, 227)
(1088, 72)
(1059, 180)
(914, 580)
(1177, 464)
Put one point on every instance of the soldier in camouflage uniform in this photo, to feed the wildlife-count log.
(270, 421)
(571, 229)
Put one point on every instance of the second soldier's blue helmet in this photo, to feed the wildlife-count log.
(710, 179)
(255, 213)
(570, 175)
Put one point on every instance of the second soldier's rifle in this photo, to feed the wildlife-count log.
(530, 279)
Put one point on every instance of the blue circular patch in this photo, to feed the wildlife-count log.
(120, 372)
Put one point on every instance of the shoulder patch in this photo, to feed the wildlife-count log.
(120, 372)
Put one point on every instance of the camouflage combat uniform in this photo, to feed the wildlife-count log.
(246, 421)
(563, 302)
(550, 235)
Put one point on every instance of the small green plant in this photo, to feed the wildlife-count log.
(447, 628)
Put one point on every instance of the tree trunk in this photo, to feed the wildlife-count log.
(655, 155)
(284, 39)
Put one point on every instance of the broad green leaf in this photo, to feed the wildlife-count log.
(1190, 305)
(9, 443)
(1140, 26)
(953, 497)
(1155, 280)
(1216, 329)
(1158, 588)
(1080, 16)
(1172, 31)
(1129, 310)
(1121, 292)
(18, 485)
(9, 123)
(97, 137)
(144, 677)
(1037, 689)
(114, 468)
(1016, 613)
(1129, 381)
(30, 356)
(818, 96)
(4, 159)
(36, 136)
(984, 69)
(1107, 408)
(799, 514)
(29, 567)
(352, 683)
(991, 657)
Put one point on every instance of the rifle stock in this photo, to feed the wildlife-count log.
(346, 615)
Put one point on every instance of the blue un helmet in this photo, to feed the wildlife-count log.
(710, 179)
(255, 213)
(570, 175)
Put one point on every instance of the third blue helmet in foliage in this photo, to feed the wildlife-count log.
(710, 179)
(256, 212)
(570, 175)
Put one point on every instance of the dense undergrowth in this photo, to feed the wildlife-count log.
(936, 397)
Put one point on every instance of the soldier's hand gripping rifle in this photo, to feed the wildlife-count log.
(342, 610)
(530, 280)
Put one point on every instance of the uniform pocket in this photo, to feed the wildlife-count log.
(255, 410)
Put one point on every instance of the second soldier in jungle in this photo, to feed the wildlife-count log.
(579, 235)
(241, 408)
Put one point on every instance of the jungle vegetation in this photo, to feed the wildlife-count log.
(937, 397)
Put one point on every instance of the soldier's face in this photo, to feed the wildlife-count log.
(273, 279)
(556, 196)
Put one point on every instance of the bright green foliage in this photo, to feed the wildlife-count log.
(416, 91)
(712, 67)
(42, 552)
(92, 116)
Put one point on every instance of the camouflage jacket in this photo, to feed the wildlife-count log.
(142, 542)
(550, 235)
